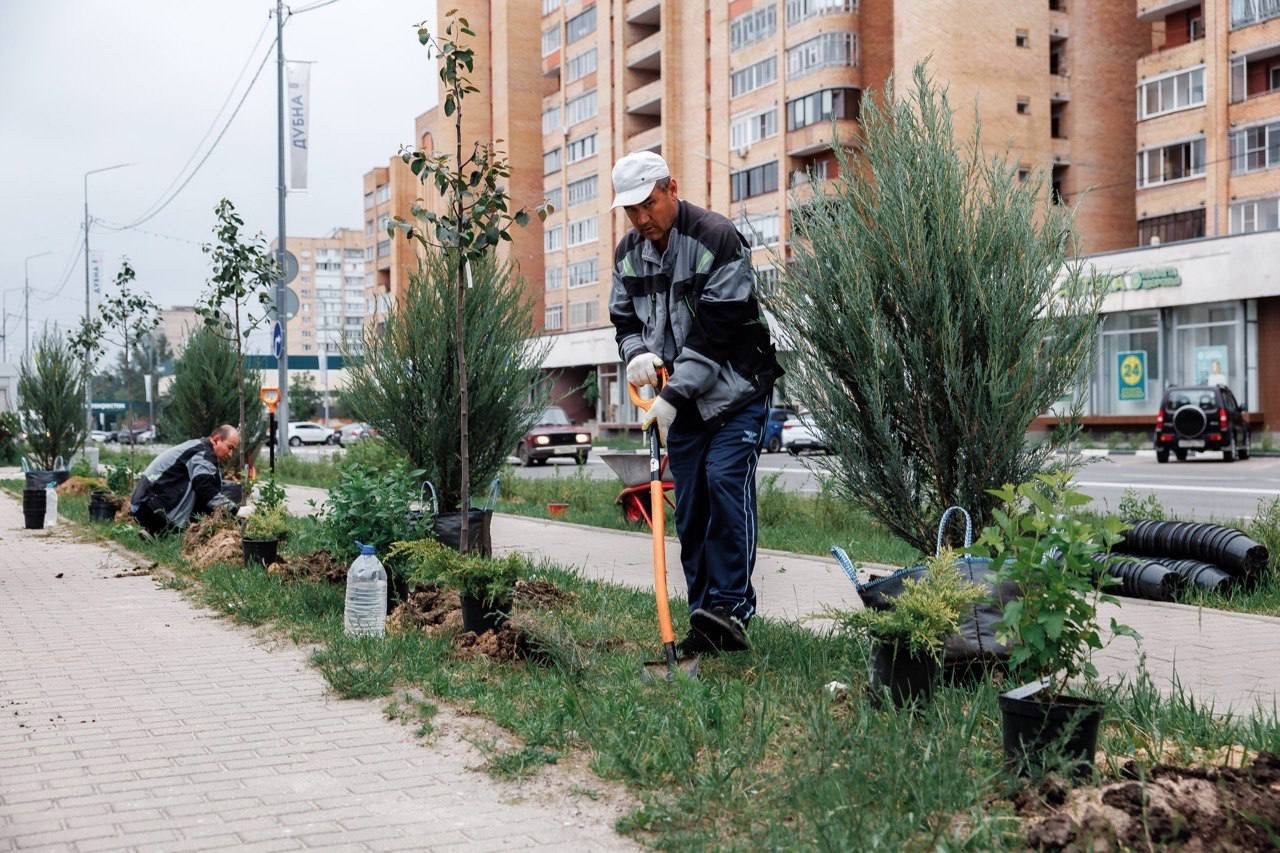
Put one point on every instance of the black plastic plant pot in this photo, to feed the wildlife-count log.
(904, 678)
(33, 507)
(1051, 733)
(103, 507)
(479, 617)
(262, 552)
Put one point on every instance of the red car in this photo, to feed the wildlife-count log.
(553, 434)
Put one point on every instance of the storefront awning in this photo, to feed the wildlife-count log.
(577, 349)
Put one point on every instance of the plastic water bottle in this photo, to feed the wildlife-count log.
(365, 613)
(50, 507)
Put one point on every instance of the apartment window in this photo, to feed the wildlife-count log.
(368, 228)
(755, 76)
(583, 231)
(1262, 214)
(384, 248)
(1021, 38)
(383, 193)
(584, 273)
(1058, 59)
(580, 108)
(583, 190)
(550, 119)
(1187, 225)
(580, 66)
(1273, 81)
(551, 39)
(549, 6)
(553, 279)
(1171, 163)
(581, 149)
(1195, 28)
(1057, 5)
(1245, 12)
(1255, 148)
(554, 198)
(825, 105)
(551, 162)
(751, 27)
(1024, 174)
(1174, 92)
(1024, 106)
(822, 51)
(802, 10)
(748, 129)
(580, 26)
(553, 239)
(753, 181)
(368, 200)
(1058, 120)
(583, 313)
(761, 229)
(553, 317)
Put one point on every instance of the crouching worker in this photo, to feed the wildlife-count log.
(184, 481)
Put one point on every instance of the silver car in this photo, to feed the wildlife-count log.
(352, 433)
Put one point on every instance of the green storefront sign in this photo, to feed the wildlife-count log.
(1131, 371)
(1143, 279)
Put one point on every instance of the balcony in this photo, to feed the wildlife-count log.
(646, 54)
(646, 12)
(646, 140)
(646, 100)
(1059, 26)
(1059, 88)
(551, 63)
(817, 137)
(1246, 12)
(1151, 11)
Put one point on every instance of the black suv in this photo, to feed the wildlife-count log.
(1201, 417)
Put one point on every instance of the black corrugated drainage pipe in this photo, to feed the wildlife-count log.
(1145, 579)
(1202, 575)
(1225, 547)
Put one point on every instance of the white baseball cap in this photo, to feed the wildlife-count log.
(634, 176)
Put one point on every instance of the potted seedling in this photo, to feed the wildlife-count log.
(104, 504)
(1057, 556)
(266, 526)
(486, 585)
(907, 639)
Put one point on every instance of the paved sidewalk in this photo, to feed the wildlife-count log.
(130, 719)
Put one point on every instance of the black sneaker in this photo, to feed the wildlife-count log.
(725, 631)
(696, 643)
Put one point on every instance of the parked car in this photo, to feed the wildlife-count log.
(1199, 418)
(352, 433)
(801, 435)
(553, 434)
(101, 436)
(135, 435)
(771, 438)
(307, 432)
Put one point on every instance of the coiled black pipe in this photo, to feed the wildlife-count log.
(1225, 547)
(1146, 579)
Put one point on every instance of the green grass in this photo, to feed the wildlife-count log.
(757, 753)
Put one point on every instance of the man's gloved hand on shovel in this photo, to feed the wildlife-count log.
(662, 413)
(643, 369)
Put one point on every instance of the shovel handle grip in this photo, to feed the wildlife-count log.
(634, 390)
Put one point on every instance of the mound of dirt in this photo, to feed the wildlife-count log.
(542, 593)
(319, 566)
(508, 643)
(1173, 808)
(428, 608)
(77, 485)
(212, 539)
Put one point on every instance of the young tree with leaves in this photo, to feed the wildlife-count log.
(244, 273)
(476, 216)
(935, 312)
(124, 318)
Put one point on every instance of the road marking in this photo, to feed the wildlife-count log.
(1168, 487)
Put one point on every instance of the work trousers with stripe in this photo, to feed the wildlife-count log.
(715, 474)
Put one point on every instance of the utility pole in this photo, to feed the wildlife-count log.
(88, 369)
(282, 380)
(26, 304)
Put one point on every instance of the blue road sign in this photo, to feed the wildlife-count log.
(277, 340)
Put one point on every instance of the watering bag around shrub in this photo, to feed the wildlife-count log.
(447, 526)
(975, 642)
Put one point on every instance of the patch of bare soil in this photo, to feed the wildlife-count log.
(542, 593)
(212, 539)
(428, 608)
(1174, 808)
(77, 485)
(508, 643)
(319, 566)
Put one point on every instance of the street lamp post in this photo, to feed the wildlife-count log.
(88, 378)
(26, 303)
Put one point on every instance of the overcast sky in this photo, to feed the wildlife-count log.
(92, 83)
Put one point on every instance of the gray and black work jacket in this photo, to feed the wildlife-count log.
(695, 306)
(182, 481)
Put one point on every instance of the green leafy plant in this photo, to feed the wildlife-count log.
(119, 477)
(926, 612)
(51, 390)
(270, 494)
(1138, 506)
(267, 522)
(935, 310)
(1057, 555)
(374, 506)
(492, 580)
(10, 443)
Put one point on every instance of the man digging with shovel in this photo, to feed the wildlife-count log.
(684, 299)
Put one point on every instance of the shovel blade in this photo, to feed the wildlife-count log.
(661, 670)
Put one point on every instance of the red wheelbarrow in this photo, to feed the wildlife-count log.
(633, 470)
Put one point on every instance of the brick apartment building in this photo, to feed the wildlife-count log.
(1156, 120)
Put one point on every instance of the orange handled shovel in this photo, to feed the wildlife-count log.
(670, 662)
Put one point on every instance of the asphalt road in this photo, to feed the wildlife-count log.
(1203, 488)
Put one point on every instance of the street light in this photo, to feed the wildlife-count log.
(26, 304)
(88, 379)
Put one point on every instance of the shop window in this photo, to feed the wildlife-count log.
(1205, 342)
(1123, 334)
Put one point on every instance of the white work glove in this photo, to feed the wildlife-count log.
(662, 413)
(643, 369)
